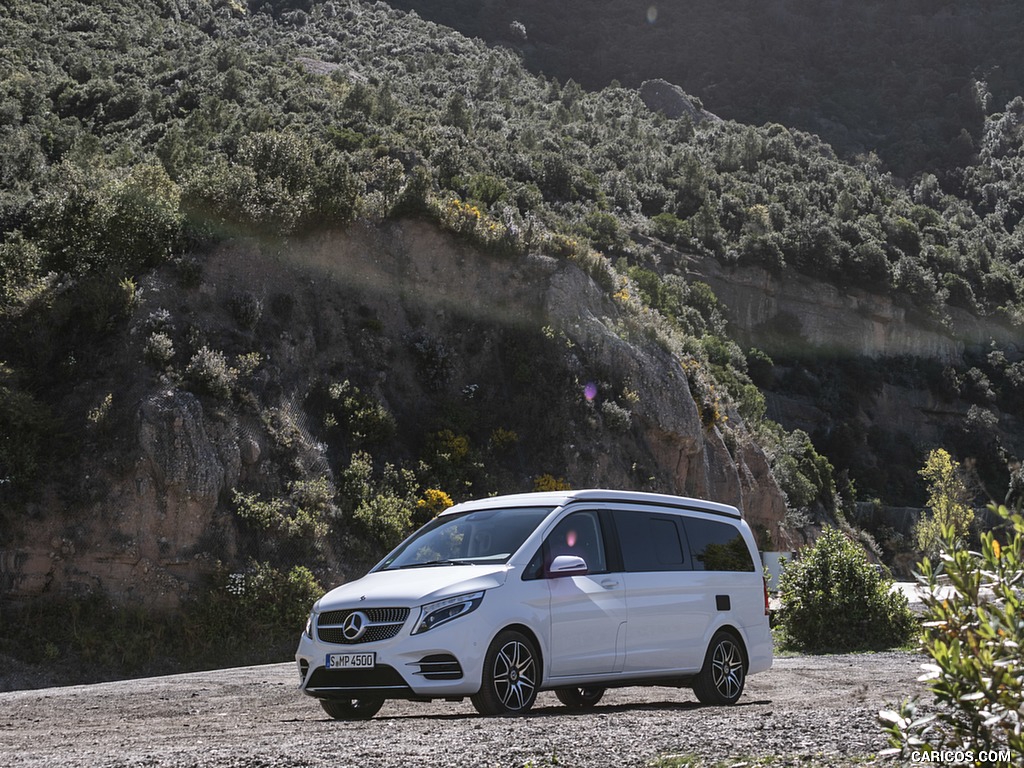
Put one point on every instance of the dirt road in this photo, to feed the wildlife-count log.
(807, 710)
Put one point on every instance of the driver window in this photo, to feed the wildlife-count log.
(578, 534)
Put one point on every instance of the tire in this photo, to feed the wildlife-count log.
(721, 679)
(511, 675)
(579, 698)
(352, 709)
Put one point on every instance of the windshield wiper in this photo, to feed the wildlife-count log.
(449, 561)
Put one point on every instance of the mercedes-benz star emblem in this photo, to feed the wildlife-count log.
(354, 625)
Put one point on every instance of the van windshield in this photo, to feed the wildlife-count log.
(481, 536)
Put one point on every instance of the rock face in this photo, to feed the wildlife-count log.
(155, 531)
(791, 312)
(682, 455)
(424, 323)
(672, 101)
(876, 375)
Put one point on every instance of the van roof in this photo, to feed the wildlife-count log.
(561, 498)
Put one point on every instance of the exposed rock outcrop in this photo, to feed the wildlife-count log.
(677, 453)
(791, 312)
(672, 101)
(423, 321)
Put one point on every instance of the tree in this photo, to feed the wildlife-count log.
(976, 672)
(947, 500)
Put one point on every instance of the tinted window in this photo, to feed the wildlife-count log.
(649, 542)
(717, 546)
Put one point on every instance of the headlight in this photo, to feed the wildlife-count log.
(309, 626)
(442, 611)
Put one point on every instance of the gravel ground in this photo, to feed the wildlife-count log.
(807, 710)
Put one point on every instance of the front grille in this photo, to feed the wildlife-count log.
(376, 615)
(439, 666)
(372, 635)
(381, 624)
(381, 678)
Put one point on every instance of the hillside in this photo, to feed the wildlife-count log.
(281, 280)
(910, 80)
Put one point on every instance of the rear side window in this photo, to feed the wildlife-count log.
(649, 542)
(717, 546)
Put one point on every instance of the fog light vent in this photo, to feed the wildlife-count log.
(439, 666)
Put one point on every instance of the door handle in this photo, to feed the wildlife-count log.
(609, 584)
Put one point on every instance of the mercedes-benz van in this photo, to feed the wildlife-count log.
(573, 592)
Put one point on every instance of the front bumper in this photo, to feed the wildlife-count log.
(442, 663)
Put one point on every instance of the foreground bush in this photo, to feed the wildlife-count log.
(974, 631)
(833, 599)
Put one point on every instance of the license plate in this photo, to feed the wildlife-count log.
(350, 660)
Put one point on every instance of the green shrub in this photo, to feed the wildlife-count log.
(503, 439)
(382, 506)
(248, 616)
(247, 309)
(242, 617)
(19, 264)
(25, 428)
(304, 514)
(976, 671)
(209, 373)
(616, 418)
(274, 600)
(86, 637)
(364, 418)
(386, 517)
(948, 499)
(834, 599)
(804, 475)
(671, 229)
(159, 350)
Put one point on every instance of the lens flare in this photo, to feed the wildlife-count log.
(590, 391)
(652, 14)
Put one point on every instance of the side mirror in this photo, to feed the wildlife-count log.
(567, 565)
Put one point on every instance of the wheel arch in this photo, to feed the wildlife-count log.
(526, 630)
(511, 691)
(738, 635)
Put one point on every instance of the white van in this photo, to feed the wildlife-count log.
(573, 591)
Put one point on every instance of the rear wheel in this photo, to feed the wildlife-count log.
(352, 709)
(579, 698)
(511, 676)
(721, 679)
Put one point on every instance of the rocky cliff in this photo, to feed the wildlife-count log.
(441, 335)
(874, 382)
(791, 313)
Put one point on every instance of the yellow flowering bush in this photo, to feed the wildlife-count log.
(467, 219)
(548, 482)
(454, 447)
(502, 439)
(433, 502)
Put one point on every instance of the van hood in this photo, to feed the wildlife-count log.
(412, 586)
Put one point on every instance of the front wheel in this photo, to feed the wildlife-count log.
(721, 679)
(352, 709)
(579, 698)
(511, 676)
